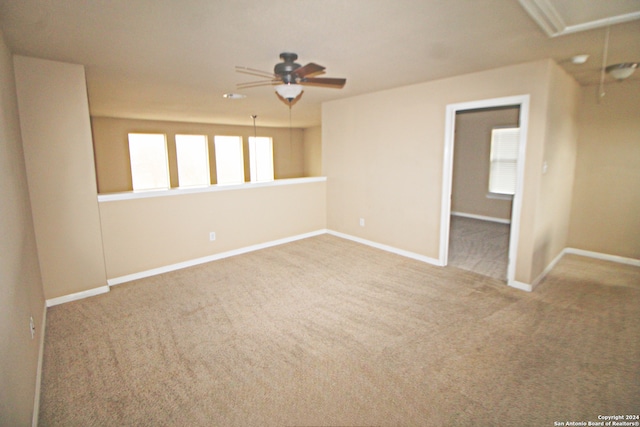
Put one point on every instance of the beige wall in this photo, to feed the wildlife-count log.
(382, 153)
(553, 210)
(56, 134)
(313, 151)
(472, 149)
(605, 215)
(21, 293)
(383, 158)
(80, 242)
(144, 234)
(112, 148)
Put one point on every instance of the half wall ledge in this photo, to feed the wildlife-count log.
(131, 195)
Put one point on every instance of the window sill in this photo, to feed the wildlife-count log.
(498, 196)
(132, 195)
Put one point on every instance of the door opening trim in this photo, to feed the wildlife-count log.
(521, 101)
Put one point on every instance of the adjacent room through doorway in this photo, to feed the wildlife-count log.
(483, 185)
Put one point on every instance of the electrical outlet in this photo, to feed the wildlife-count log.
(212, 236)
(361, 222)
(32, 327)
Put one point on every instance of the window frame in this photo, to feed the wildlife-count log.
(511, 162)
(256, 167)
(137, 174)
(182, 174)
(218, 140)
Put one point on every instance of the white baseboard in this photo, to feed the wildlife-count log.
(433, 261)
(520, 285)
(387, 248)
(482, 217)
(546, 271)
(215, 257)
(78, 295)
(573, 251)
(36, 398)
(604, 257)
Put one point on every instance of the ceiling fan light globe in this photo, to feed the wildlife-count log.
(289, 91)
(622, 71)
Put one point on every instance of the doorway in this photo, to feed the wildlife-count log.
(522, 104)
(483, 183)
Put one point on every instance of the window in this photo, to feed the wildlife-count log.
(193, 160)
(149, 161)
(261, 158)
(229, 160)
(504, 158)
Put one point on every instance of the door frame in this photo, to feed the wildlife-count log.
(521, 101)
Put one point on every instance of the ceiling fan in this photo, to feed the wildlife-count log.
(289, 77)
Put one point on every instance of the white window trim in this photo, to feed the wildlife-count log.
(217, 140)
(254, 165)
(499, 196)
(491, 194)
(165, 165)
(206, 157)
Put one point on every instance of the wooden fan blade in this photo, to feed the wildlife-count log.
(258, 83)
(324, 81)
(254, 72)
(307, 70)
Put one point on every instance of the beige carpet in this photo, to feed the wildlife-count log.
(325, 331)
(479, 246)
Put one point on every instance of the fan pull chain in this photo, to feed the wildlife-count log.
(290, 136)
(255, 137)
(605, 53)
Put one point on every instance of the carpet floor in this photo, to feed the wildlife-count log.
(479, 246)
(325, 331)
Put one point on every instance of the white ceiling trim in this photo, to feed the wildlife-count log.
(546, 15)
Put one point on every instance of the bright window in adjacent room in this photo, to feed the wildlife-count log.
(229, 159)
(504, 159)
(193, 160)
(149, 161)
(261, 158)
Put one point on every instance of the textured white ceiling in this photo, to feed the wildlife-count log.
(174, 59)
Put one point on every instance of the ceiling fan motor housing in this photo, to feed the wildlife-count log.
(284, 69)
